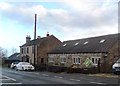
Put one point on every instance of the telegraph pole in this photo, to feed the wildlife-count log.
(35, 39)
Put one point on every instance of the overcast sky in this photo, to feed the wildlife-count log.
(65, 19)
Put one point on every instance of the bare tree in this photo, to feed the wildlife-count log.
(0, 52)
(3, 52)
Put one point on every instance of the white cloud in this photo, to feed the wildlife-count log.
(82, 15)
(30, 0)
(90, 32)
(93, 13)
(79, 19)
(40, 10)
(5, 6)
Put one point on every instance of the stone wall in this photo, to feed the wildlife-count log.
(106, 59)
(45, 47)
(42, 49)
(113, 55)
(56, 59)
(30, 54)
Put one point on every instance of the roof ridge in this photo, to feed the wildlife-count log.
(31, 42)
(95, 44)
(91, 37)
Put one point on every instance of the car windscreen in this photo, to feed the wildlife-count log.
(118, 61)
(25, 63)
(15, 62)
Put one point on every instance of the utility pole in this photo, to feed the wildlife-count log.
(34, 40)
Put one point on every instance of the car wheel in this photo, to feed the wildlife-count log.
(13, 67)
(22, 68)
(16, 68)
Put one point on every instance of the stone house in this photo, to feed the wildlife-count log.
(42, 47)
(100, 52)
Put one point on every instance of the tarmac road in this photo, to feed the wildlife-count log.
(12, 77)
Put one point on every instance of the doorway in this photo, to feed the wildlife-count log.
(42, 60)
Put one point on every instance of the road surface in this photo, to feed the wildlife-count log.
(12, 77)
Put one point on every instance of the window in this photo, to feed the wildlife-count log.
(77, 43)
(99, 59)
(64, 45)
(95, 60)
(76, 60)
(63, 60)
(22, 50)
(42, 60)
(51, 59)
(17, 55)
(103, 40)
(27, 49)
(85, 42)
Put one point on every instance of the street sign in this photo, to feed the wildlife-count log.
(88, 62)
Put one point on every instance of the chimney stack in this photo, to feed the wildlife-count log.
(47, 34)
(38, 37)
(28, 38)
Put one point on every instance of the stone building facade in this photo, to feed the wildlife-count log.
(73, 60)
(100, 52)
(42, 47)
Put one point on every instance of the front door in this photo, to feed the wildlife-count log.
(42, 60)
(27, 59)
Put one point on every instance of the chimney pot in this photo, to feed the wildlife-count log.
(47, 34)
(28, 38)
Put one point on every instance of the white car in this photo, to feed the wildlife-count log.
(24, 66)
(13, 65)
(116, 67)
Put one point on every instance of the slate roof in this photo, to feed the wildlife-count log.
(118, 60)
(87, 45)
(15, 56)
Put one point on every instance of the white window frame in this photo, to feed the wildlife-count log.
(79, 60)
(76, 60)
(51, 58)
(63, 59)
(95, 60)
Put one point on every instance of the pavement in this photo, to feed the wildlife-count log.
(105, 75)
